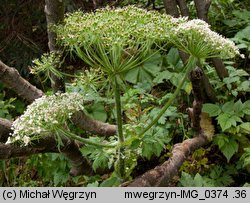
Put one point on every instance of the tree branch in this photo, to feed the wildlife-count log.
(8, 151)
(160, 176)
(5, 130)
(12, 79)
(220, 68)
(202, 7)
(183, 7)
(81, 120)
(171, 7)
(54, 10)
(196, 77)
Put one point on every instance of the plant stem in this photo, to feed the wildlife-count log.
(191, 64)
(84, 140)
(119, 126)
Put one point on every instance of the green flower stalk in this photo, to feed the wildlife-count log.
(119, 126)
(190, 65)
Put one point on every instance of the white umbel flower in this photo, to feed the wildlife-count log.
(44, 115)
(196, 38)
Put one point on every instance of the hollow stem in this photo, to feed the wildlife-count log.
(119, 127)
(191, 64)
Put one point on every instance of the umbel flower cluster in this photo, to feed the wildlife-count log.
(44, 116)
(127, 27)
(196, 38)
(131, 27)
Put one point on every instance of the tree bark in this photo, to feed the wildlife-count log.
(220, 68)
(183, 7)
(202, 7)
(12, 79)
(171, 8)
(8, 151)
(5, 130)
(81, 120)
(161, 176)
(54, 10)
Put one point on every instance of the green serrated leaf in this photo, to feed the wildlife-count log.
(186, 180)
(243, 34)
(98, 112)
(246, 108)
(242, 14)
(147, 150)
(101, 161)
(145, 72)
(246, 161)
(228, 107)
(245, 127)
(135, 144)
(225, 121)
(245, 86)
(235, 118)
(221, 140)
(238, 106)
(198, 180)
(229, 149)
(158, 148)
(132, 76)
(211, 109)
(224, 180)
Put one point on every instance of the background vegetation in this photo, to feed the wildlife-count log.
(223, 162)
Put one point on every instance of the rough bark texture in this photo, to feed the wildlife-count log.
(84, 122)
(79, 164)
(208, 90)
(183, 7)
(220, 68)
(202, 7)
(12, 79)
(160, 176)
(8, 151)
(171, 7)
(54, 10)
(5, 126)
(198, 91)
